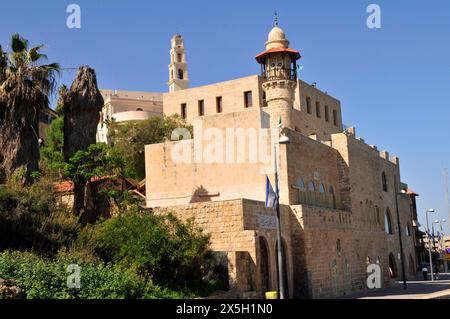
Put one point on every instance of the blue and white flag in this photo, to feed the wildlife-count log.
(271, 197)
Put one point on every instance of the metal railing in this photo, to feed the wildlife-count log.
(274, 74)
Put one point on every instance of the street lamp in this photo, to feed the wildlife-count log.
(402, 258)
(429, 244)
(282, 140)
(441, 242)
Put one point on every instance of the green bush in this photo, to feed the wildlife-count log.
(41, 278)
(30, 219)
(162, 248)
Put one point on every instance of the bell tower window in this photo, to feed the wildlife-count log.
(180, 74)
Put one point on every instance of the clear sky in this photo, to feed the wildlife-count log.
(393, 82)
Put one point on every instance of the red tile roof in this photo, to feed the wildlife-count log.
(260, 56)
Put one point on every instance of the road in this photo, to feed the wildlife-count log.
(439, 289)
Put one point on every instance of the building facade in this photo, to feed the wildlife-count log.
(125, 106)
(343, 203)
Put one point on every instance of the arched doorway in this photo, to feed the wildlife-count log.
(392, 266)
(264, 264)
(285, 268)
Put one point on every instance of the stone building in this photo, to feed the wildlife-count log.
(343, 203)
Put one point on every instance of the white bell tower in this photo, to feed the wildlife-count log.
(178, 72)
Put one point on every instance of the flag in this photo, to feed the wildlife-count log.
(271, 197)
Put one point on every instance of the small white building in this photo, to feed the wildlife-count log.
(125, 106)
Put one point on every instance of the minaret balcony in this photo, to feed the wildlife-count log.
(279, 74)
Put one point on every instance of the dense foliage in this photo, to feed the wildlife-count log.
(135, 255)
(160, 247)
(130, 138)
(31, 219)
(41, 278)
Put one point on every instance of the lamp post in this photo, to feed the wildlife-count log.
(429, 243)
(402, 260)
(441, 242)
(282, 140)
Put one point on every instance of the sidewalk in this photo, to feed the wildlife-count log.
(439, 289)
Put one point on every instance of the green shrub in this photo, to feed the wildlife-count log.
(41, 278)
(162, 248)
(30, 219)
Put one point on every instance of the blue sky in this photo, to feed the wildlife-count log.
(393, 82)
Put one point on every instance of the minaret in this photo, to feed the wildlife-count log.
(178, 73)
(279, 75)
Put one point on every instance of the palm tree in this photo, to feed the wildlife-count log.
(25, 87)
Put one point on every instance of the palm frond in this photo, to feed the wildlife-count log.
(34, 55)
(18, 44)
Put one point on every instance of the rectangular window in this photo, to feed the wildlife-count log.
(327, 113)
(183, 110)
(248, 99)
(219, 108)
(335, 120)
(308, 105)
(201, 108)
(318, 109)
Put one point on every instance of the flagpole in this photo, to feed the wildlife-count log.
(280, 244)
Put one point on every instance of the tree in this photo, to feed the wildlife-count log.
(82, 106)
(130, 138)
(52, 152)
(98, 161)
(25, 87)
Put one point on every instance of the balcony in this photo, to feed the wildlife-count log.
(276, 74)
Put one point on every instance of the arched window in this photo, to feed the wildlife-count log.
(338, 245)
(264, 264)
(408, 229)
(388, 222)
(392, 266)
(333, 197)
(311, 186)
(180, 74)
(384, 181)
(300, 183)
(322, 189)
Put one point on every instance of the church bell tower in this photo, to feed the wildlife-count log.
(178, 72)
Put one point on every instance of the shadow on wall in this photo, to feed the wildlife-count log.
(200, 195)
